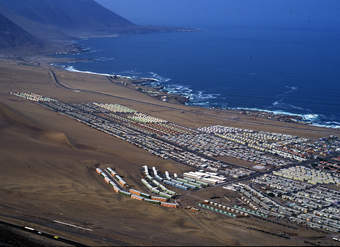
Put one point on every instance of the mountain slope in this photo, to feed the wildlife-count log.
(73, 17)
(13, 36)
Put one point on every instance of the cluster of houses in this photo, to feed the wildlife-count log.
(216, 146)
(312, 205)
(157, 179)
(312, 149)
(120, 186)
(116, 121)
(144, 118)
(115, 108)
(309, 175)
(264, 203)
(323, 218)
(279, 185)
(286, 146)
(266, 142)
(31, 96)
(331, 165)
(297, 193)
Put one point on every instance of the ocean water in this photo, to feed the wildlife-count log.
(291, 71)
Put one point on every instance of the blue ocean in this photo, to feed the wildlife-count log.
(290, 71)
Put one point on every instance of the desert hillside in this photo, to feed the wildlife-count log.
(46, 18)
(12, 36)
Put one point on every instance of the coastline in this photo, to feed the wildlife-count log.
(151, 86)
(156, 87)
(139, 85)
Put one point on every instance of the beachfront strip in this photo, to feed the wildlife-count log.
(289, 178)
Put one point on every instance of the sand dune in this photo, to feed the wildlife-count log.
(9, 118)
(16, 122)
(55, 137)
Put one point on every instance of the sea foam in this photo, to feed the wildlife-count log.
(72, 69)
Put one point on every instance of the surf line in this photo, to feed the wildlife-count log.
(67, 224)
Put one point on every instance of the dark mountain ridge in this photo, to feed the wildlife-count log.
(57, 23)
(12, 36)
(60, 19)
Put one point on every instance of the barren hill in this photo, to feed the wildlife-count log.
(64, 17)
(12, 36)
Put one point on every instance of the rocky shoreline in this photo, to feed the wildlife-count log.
(154, 89)
(145, 85)
(272, 116)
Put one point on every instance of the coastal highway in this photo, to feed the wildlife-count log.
(210, 115)
(34, 231)
(37, 225)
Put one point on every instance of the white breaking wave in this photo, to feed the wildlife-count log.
(72, 69)
(195, 98)
(296, 107)
(305, 117)
(275, 103)
(280, 104)
(159, 77)
(283, 95)
(332, 126)
(207, 103)
(312, 119)
(292, 88)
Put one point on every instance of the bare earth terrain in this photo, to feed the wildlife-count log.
(48, 161)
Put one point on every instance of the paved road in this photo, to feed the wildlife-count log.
(55, 224)
(42, 234)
